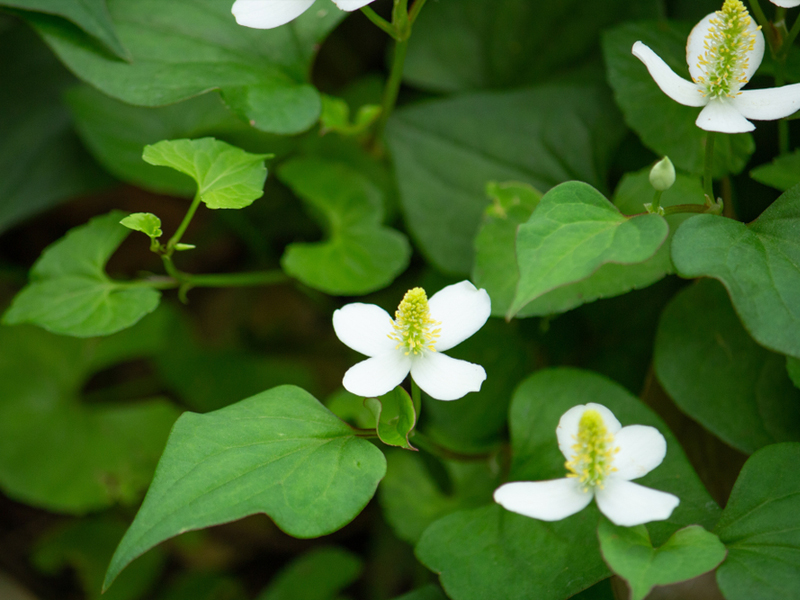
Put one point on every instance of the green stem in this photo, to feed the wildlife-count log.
(379, 21)
(761, 18)
(392, 89)
(415, 10)
(236, 279)
(184, 224)
(656, 204)
(790, 37)
(427, 444)
(708, 184)
(714, 208)
(364, 433)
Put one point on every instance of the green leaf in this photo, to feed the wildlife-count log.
(90, 15)
(395, 415)
(572, 233)
(759, 264)
(781, 173)
(444, 152)
(70, 293)
(279, 452)
(759, 527)
(318, 575)
(628, 551)
(196, 47)
(663, 125)
(719, 376)
(112, 447)
(473, 550)
(412, 499)
(42, 161)
(86, 546)
(359, 254)
(147, 223)
(350, 408)
(429, 592)
(461, 45)
(336, 116)
(226, 176)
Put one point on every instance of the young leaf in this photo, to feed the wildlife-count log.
(395, 415)
(759, 527)
(572, 233)
(444, 152)
(318, 575)
(147, 223)
(719, 376)
(759, 264)
(90, 15)
(628, 552)
(197, 47)
(359, 254)
(782, 173)
(663, 125)
(280, 452)
(226, 176)
(70, 293)
(551, 561)
(336, 116)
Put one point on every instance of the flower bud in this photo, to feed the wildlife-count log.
(662, 175)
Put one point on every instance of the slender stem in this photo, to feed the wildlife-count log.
(762, 20)
(656, 204)
(171, 269)
(691, 208)
(415, 10)
(790, 37)
(364, 433)
(392, 89)
(708, 184)
(184, 224)
(427, 444)
(379, 21)
(236, 279)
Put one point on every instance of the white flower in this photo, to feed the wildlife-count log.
(723, 51)
(266, 14)
(786, 3)
(602, 458)
(412, 341)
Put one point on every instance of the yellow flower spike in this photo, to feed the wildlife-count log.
(594, 451)
(413, 325)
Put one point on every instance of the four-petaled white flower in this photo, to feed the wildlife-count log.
(413, 341)
(602, 458)
(723, 51)
(266, 14)
(786, 3)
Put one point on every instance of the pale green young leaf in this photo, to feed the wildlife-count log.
(551, 561)
(719, 376)
(190, 48)
(336, 116)
(317, 575)
(445, 150)
(782, 173)
(69, 292)
(759, 264)
(147, 223)
(572, 233)
(759, 528)
(279, 452)
(90, 15)
(359, 254)
(226, 176)
(628, 551)
(395, 417)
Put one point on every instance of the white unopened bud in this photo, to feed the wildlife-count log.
(662, 175)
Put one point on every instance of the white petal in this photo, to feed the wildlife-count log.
(721, 115)
(676, 87)
(786, 3)
(378, 375)
(627, 504)
(266, 14)
(695, 49)
(641, 449)
(769, 104)
(365, 328)
(567, 430)
(462, 309)
(445, 378)
(546, 500)
(351, 5)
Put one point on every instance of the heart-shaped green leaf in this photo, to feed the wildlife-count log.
(759, 527)
(473, 550)
(195, 47)
(673, 133)
(226, 176)
(318, 575)
(628, 551)
(90, 15)
(395, 415)
(59, 452)
(719, 376)
(759, 264)
(70, 293)
(280, 452)
(782, 173)
(359, 254)
(572, 233)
